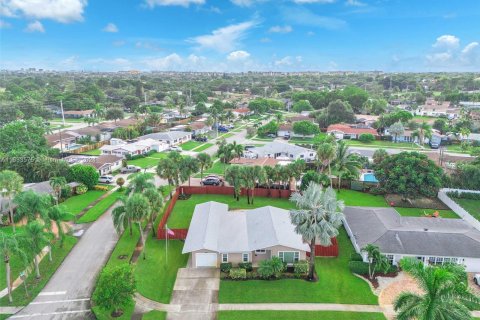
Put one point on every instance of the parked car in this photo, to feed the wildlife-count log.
(130, 169)
(222, 129)
(214, 176)
(476, 279)
(211, 181)
(271, 135)
(105, 179)
(230, 126)
(201, 139)
(175, 148)
(248, 147)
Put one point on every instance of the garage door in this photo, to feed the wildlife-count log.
(206, 259)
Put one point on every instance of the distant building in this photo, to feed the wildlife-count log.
(242, 112)
(282, 151)
(105, 164)
(199, 128)
(433, 108)
(171, 138)
(123, 149)
(62, 140)
(349, 131)
(77, 114)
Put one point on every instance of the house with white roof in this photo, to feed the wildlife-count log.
(218, 236)
(171, 138)
(282, 151)
(122, 149)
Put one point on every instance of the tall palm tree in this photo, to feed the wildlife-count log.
(446, 294)
(32, 205)
(168, 169)
(10, 247)
(138, 209)
(37, 239)
(423, 131)
(155, 199)
(326, 154)
(317, 218)
(237, 149)
(204, 162)
(225, 153)
(189, 165)
(141, 181)
(295, 171)
(250, 176)
(121, 218)
(376, 260)
(11, 184)
(59, 214)
(345, 163)
(233, 176)
(57, 183)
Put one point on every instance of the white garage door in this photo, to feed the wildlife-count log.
(206, 259)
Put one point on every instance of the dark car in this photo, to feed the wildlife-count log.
(201, 139)
(222, 129)
(211, 181)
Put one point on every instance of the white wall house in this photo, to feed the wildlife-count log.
(282, 151)
(122, 149)
(171, 138)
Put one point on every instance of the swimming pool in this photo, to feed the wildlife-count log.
(368, 177)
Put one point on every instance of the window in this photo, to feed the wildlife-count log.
(224, 257)
(390, 258)
(289, 256)
(245, 257)
(261, 251)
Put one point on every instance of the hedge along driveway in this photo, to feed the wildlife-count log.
(336, 284)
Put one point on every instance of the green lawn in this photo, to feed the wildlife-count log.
(227, 135)
(361, 199)
(217, 168)
(155, 315)
(76, 204)
(417, 212)
(298, 315)
(155, 277)
(257, 138)
(471, 206)
(95, 212)
(189, 145)
(204, 147)
(101, 314)
(148, 162)
(458, 148)
(47, 269)
(94, 152)
(382, 144)
(336, 284)
(4, 316)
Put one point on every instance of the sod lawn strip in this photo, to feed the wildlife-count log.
(75, 204)
(47, 269)
(298, 315)
(155, 315)
(203, 147)
(217, 168)
(382, 144)
(470, 205)
(227, 135)
(333, 273)
(94, 213)
(418, 212)
(189, 145)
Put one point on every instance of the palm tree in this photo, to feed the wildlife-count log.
(10, 247)
(156, 202)
(250, 176)
(233, 176)
(57, 183)
(168, 169)
(31, 205)
(278, 117)
(294, 171)
(396, 129)
(376, 260)
(138, 209)
(225, 153)
(204, 162)
(121, 218)
(318, 217)
(59, 214)
(37, 239)
(424, 131)
(237, 149)
(11, 184)
(189, 166)
(345, 163)
(326, 153)
(141, 181)
(446, 294)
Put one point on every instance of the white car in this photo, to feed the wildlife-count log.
(476, 279)
(105, 179)
(175, 148)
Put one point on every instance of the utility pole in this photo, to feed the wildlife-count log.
(63, 115)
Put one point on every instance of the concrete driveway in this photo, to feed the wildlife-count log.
(195, 294)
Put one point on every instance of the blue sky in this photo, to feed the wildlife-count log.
(240, 35)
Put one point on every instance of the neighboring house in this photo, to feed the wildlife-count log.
(122, 149)
(199, 128)
(433, 108)
(79, 114)
(258, 162)
(282, 151)
(349, 131)
(285, 130)
(62, 140)
(366, 119)
(434, 241)
(299, 118)
(93, 132)
(105, 164)
(242, 112)
(470, 104)
(218, 236)
(407, 136)
(172, 138)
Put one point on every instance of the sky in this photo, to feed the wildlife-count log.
(241, 35)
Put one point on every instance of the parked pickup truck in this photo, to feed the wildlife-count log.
(130, 169)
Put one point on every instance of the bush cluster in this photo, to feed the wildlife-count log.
(139, 156)
(360, 267)
(366, 137)
(225, 267)
(81, 189)
(246, 265)
(300, 268)
(238, 274)
(101, 188)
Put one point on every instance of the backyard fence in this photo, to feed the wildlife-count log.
(181, 234)
(442, 195)
(89, 147)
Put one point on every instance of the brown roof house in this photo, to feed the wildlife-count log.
(349, 131)
(77, 114)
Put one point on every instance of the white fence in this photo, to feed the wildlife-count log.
(442, 195)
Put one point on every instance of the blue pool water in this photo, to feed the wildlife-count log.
(369, 177)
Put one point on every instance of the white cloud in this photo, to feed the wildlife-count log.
(149, 45)
(299, 59)
(35, 26)
(470, 54)
(182, 3)
(223, 39)
(355, 3)
(64, 11)
(285, 61)
(281, 29)
(447, 42)
(310, 33)
(243, 3)
(4, 24)
(439, 58)
(170, 62)
(111, 27)
(470, 47)
(238, 55)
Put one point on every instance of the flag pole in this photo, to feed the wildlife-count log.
(166, 245)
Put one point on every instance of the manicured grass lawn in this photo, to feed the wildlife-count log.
(382, 144)
(155, 277)
(298, 315)
(423, 119)
(361, 199)
(336, 284)
(227, 135)
(95, 212)
(47, 269)
(257, 138)
(204, 147)
(189, 145)
(4, 316)
(94, 152)
(417, 212)
(76, 204)
(183, 211)
(101, 314)
(217, 168)
(155, 315)
(148, 162)
(471, 206)
(457, 148)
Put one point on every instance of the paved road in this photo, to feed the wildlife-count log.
(67, 294)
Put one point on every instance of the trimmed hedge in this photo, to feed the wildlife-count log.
(238, 274)
(139, 156)
(225, 267)
(356, 257)
(360, 267)
(246, 265)
(300, 268)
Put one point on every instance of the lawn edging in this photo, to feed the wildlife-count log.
(464, 214)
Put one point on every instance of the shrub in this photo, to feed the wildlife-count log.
(66, 192)
(101, 188)
(238, 274)
(300, 268)
(356, 257)
(81, 189)
(271, 268)
(360, 267)
(85, 174)
(246, 265)
(226, 267)
(464, 195)
(366, 137)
